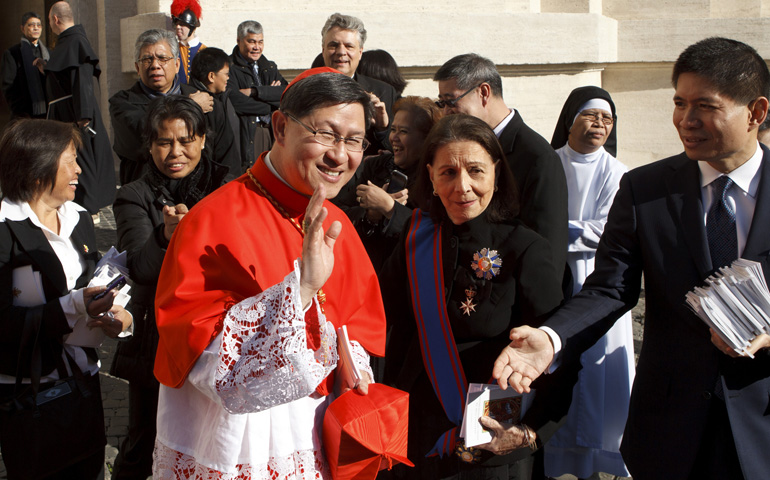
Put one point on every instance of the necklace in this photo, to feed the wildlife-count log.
(321, 296)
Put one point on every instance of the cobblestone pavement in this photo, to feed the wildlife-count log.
(115, 390)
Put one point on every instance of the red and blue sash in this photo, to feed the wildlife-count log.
(439, 351)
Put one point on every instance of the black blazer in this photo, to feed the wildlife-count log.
(524, 292)
(655, 228)
(264, 99)
(542, 185)
(22, 244)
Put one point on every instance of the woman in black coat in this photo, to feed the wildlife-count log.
(48, 256)
(470, 271)
(146, 212)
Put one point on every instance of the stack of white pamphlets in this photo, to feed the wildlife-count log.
(505, 406)
(735, 303)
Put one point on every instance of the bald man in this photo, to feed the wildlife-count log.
(70, 76)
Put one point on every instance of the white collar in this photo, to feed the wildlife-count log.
(745, 176)
(69, 215)
(501, 126)
(578, 157)
(194, 42)
(275, 172)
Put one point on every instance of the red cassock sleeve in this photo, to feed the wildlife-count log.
(233, 245)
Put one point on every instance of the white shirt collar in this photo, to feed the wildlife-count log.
(501, 126)
(275, 172)
(745, 176)
(193, 42)
(69, 215)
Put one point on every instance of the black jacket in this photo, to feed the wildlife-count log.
(263, 101)
(526, 289)
(14, 78)
(542, 186)
(655, 230)
(128, 109)
(139, 217)
(21, 244)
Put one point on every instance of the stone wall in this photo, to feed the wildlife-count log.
(543, 48)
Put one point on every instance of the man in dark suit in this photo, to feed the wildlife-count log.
(342, 44)
(698, 411)
(22, 66)
(471, 84)
(254, 88)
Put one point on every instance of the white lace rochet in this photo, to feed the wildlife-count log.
(248, 409)
(264, 358)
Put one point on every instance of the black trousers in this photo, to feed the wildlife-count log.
(717, 457)
(134, 459)
(88, 468)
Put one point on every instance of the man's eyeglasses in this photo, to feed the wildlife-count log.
(147, 61)
(451, 103)
(331, 139)
(607, 120)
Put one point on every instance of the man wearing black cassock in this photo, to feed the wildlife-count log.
(70, 89)
(22, 71)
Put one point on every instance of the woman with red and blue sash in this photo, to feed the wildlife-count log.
(465, 272)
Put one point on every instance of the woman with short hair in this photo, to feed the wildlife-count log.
(48, 240)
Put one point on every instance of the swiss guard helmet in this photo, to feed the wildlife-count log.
(187, 13)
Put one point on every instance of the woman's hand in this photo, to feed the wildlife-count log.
(117, 320)
(95, 308)
(376, 200)
(317, 247)
(380, 119)
(400, 197)
(505, 437)
(171, 218)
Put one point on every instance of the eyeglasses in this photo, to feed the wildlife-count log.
(607, 120)
(331, 139)
(147, 61)
(451, 103)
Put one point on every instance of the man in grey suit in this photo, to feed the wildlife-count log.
(698, 410)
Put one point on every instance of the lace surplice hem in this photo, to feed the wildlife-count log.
(304, 465)
(273, 352)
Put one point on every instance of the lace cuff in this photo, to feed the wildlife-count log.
(266, 358)
(361, 358)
